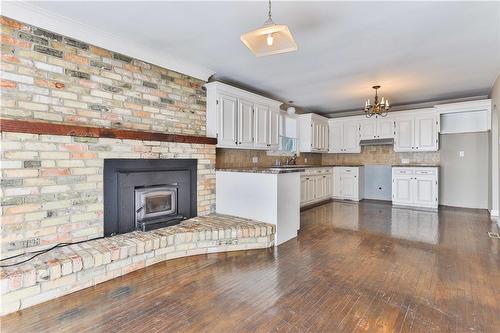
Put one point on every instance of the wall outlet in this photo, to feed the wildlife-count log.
(255, 160)
(305, 160)
(405, 161)
(461, 153)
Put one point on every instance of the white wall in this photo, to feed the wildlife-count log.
(495, 141)
(464, 181)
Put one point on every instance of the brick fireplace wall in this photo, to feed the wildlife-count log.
(52, 185)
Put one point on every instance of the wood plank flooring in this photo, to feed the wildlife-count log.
(352, 269)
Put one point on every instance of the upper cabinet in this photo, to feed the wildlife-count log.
(376, 128)
(240, 119)
(416, 131)
(313, 133)
(344, 135)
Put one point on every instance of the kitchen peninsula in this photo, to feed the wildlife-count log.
(269, 195)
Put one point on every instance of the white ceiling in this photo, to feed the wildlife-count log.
(417, 51)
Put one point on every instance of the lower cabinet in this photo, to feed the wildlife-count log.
(315, 185)
(319, 184)
(348, 183)
(415, 186)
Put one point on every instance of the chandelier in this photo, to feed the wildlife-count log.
(270, 38)
(378, 108)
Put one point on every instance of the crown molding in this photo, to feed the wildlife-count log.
(31, 14)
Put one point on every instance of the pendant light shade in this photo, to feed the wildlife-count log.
(269, 39)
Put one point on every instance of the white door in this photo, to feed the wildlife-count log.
(404, 140)
(318, 190)
(335, 137)
(426, 133)
(351, 137)
(425, 191)
(311, 188)
(402, 189)
(274, 117)
(316, 135)
(328, 185)
(227, 114)
(245, 123)
(349, 186)
(261, 127)
(368, 129)
(303, 190)
(385, 128)
(336, 184)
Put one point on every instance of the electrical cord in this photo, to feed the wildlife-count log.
(40, 252)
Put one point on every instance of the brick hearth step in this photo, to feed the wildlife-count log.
(68, 269)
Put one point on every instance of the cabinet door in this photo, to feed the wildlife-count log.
(425, 191)
(311, 188)
(245, 123)
(335, 137)
(351, 137)
(261, 127)
(325, 136)
(368, 129)
(426, 133)
(336, 184)
(402, 189)
(316, 135)
(274, 124)
(303, 190)
(327, 182)
(385, 128)
(349, 186)
(404, 139)
(318, 190)
(227, 114)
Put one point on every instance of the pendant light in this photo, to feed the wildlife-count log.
(269, 39)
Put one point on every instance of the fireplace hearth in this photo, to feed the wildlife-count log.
(147, 194)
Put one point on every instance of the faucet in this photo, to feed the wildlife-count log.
(292, 160)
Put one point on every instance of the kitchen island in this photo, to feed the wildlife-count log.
(269, 195)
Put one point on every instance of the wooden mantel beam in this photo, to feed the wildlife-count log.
(35, 127)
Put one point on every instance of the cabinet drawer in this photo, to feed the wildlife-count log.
(430, 172)
(398, 171)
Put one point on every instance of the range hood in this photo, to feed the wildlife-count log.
(377, 142)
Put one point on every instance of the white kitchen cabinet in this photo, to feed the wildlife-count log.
(344, 136)
(377, 128)
(261, 117)
(313, 133)
(245, 123)
(241, 119)
(347, 183)
(315, 185)
(416, 131)
(227, 114)
(415, 186)
(273, 138)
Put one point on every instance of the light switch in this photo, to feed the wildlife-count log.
(255, 160)
(461, 153)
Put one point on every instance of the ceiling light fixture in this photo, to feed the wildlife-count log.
(378, 108)
(269, 39)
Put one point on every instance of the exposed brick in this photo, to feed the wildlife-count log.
(49, 51)
(121, 57)
(78, 74)
(76, 43)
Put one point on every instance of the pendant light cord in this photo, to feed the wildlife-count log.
(269, 13)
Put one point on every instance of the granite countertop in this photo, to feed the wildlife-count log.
(415, 165)
(263, 170)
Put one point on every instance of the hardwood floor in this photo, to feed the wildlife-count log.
(352, 269)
